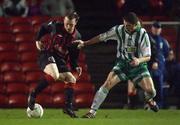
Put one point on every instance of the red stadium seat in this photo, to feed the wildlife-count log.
(4, 21)
(9, 56)
(6, 37)
(57, 87)
(84, 100)
(17, 101)
(28, 57)
(11, 77)
(33, 76)
(84, 88)
(19, 20)
(46, 19)
(3, 101)
(17, 88)
(5, 29)
(24, 46)
(10, 66)
(36, 20)
(2, 89)
(47, 90)
(58, 100)
(22, 29)
(36, 28)
(8, 46)
(30, 66)
(25, 37)
(45, 100)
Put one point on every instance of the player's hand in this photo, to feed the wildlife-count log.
(79, 71)
(155, 66)
(134, 62)
(80, 45)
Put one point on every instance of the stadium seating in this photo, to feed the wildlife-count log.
(27, 47)
(10, 77)
(6, 37)
(9, 57)
(17, 88)
(3, 101)
(8, 46)
(10, 66)
(58, 100)
(17, 101)
(30, 66)
(22, 29)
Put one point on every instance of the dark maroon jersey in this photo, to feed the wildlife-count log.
(57, 40)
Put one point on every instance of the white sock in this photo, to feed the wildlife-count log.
(98, 99)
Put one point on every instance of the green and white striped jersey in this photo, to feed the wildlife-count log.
(132, 45)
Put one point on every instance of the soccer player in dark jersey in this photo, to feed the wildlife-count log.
(56, 50)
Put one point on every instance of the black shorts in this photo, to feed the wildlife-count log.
(46, 58)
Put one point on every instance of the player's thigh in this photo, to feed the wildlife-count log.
(131, 87)
(111, 81)
(68, 77)
(52, 70)
(147, 84)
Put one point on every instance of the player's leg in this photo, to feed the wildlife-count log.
(51, 73)
(132, 95)
(70, 81)
(141, 76)
(102, 93)
(147, 85)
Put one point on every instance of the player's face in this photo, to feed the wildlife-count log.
(156, 31)
(129, 27)
(69, 25)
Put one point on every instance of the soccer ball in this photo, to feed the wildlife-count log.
(36, 113)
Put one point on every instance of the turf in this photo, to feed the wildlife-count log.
(104, 117)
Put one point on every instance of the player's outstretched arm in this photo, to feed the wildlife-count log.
(92, 41)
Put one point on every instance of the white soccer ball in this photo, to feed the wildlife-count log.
(36, 113)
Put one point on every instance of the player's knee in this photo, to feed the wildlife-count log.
(55, 76)
(107, 84)
(71, 79)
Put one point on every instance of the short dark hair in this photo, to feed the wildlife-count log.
(72, 15)
(131, 17)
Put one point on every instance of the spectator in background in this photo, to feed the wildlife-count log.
(163, 51)
(15, 8)
(173, 74)
(56, 7)
(34, 8)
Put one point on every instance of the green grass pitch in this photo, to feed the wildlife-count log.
(104, 117)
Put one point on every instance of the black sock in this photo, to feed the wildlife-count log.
(43, 83)
(69, 93)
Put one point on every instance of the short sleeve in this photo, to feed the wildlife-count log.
(109, 35)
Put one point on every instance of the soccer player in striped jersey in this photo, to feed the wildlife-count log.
(133, 53)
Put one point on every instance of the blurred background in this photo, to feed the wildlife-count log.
(21, 19)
